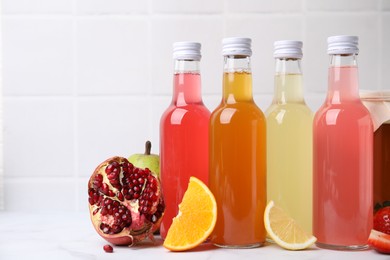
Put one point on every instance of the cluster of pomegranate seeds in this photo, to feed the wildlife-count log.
(120, 194)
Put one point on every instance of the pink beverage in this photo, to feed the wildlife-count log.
(342, 156)
(183, 132)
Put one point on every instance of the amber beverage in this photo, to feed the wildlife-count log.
(237, 174)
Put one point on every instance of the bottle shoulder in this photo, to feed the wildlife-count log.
(345, 113)
(355, 107)
(188, 112)
(289, 109)
(241, 109)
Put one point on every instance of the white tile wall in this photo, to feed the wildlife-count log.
(38, 137)
(386, 5)
(53, 7)
(37, 55)
(264, 6)
(112, 56)
(107, 7)
(188, 6)
(385, 46)
(1, 125)
(344, 5)
(87, 79)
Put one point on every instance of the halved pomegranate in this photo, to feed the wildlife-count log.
(125, 202)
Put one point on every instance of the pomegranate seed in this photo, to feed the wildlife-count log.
(108, 249)
(106, 229)
(104, 211)
(91, 192)
(117, 186)
(120, 196)
(91, 201)
(99, 177)
(105, 189)
(97, 184)
(114, 180)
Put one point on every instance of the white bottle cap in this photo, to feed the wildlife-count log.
(187, 51)
(343, 44)
(236, 46)
(288, 49)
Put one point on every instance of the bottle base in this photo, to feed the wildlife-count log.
(240, 246)
(342, 247)
(269, 240)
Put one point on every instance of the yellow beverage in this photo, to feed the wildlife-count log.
(238, 164)
(289, 150)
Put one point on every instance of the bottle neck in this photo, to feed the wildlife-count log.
(288, 81)
(237, 79)
(343, 81)
(186, 83)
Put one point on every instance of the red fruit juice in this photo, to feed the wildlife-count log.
(184, 139)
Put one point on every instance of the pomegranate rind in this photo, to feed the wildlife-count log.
(140, 227)
(379, 241)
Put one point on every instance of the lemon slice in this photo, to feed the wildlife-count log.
(284, 230)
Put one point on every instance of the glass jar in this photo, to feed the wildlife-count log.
(378, 103)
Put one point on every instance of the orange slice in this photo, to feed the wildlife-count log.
(284, 230)
(196, 218)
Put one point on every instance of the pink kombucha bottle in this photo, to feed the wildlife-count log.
(342, 155)
(183, 131)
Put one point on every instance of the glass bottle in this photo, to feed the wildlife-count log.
(342, 155)
(238, 154)
(184, 132)
(289, 137)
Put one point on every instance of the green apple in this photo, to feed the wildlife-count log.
(147, 160)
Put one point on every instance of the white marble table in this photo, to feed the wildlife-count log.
(71, 236)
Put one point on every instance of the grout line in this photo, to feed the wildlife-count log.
(380, 60)
(304, 40)
(75, 104)
(225, 18)
(150, 69)
(2, 169)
